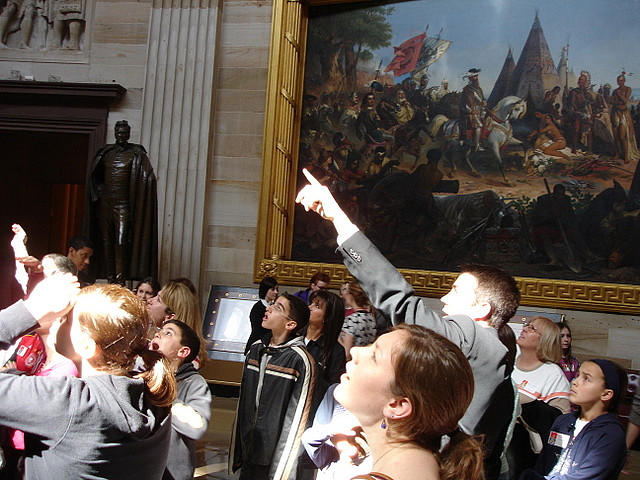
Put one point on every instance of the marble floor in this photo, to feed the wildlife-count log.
(213, 449)
(632, 470)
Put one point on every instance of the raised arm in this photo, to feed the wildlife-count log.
(50, 299)
(384, 285)
(19, 241)
(23, 259)
(19, 245)
(316, 197)
(191, 413)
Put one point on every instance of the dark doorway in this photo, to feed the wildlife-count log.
(41, 188)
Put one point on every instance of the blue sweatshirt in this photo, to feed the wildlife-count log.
(598, 452)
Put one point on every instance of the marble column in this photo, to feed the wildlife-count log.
(176, 125)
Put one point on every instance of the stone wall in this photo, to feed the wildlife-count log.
(240, 92)
(114, 49)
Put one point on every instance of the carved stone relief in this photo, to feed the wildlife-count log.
(43, 25)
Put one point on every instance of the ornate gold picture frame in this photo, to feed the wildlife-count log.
(279, 181)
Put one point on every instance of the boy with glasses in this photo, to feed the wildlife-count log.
(319, 281)
(275, 396)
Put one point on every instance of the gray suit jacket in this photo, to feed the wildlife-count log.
(389, 291)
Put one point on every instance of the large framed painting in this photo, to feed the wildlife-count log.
(458, 131)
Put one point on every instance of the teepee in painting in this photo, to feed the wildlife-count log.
(504, 79)
(535, 72)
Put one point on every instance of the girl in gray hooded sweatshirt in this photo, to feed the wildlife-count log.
(110, 423)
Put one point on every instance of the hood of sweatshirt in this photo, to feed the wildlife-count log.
(123, 402)
(185, 370)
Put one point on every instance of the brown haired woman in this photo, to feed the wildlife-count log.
(147, 288)
(408, 391)
(359, 328)
(109, 423)
(568, 363)
(326, 315)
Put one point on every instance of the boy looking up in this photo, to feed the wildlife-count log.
(275, 396)
(588, 444)
(191, 409)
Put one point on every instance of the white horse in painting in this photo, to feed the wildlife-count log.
(500, 134)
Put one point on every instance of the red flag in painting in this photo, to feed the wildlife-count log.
(407, 56)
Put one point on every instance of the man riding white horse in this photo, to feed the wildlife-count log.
(473, 109)
(498, 128)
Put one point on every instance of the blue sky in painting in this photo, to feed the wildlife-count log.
(604, 36)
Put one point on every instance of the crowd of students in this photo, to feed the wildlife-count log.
(435, 397)
(328, 390)
(99, 381)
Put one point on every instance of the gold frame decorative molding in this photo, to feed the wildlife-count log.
(280, 156)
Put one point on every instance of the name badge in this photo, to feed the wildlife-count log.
(558, 439)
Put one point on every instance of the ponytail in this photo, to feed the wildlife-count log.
(508, 339)
(160, 382)
(463, 457)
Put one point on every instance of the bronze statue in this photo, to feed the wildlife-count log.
(122, 209)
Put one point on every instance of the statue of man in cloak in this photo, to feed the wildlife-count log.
(122, 209)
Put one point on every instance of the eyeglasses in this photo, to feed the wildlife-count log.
(530, 326)
(279, 309)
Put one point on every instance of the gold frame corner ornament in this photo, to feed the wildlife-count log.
(280, 158)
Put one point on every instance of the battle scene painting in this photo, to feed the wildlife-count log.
(477, 131)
